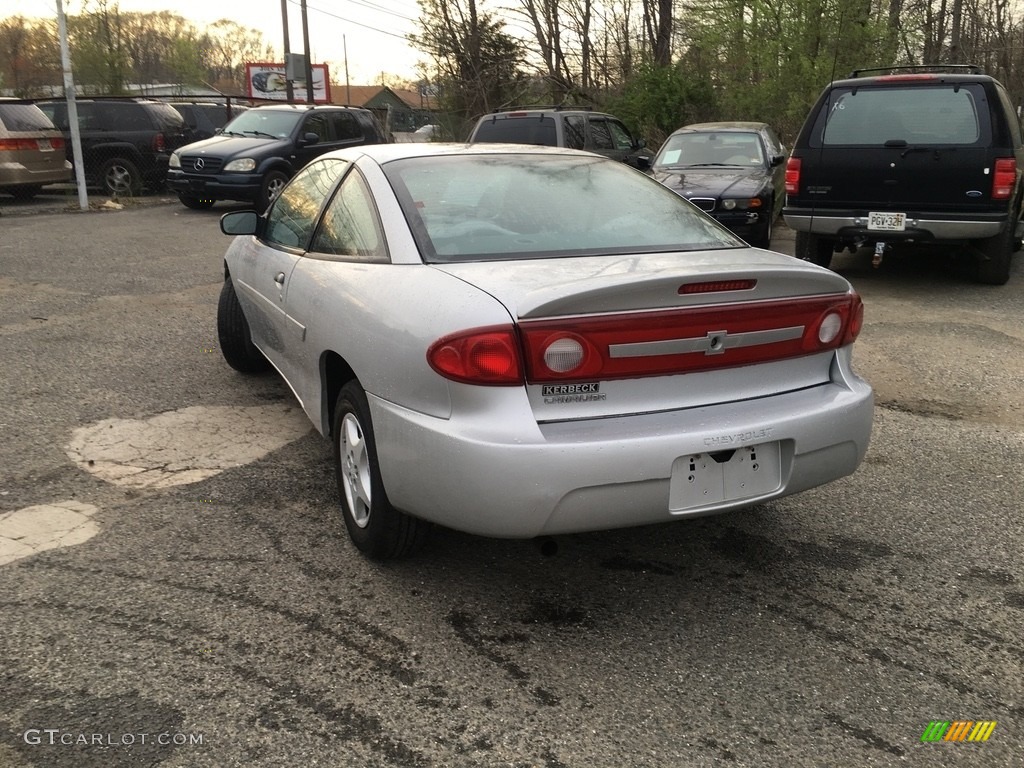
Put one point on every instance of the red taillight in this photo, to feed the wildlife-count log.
(1005, 178)
(692, 339)
(856, 320)
(18, 145)
(650, 343)
(481, 356)
(906, 78)
(159, 145)
(716, 286)
(793, 176)
(57, 143)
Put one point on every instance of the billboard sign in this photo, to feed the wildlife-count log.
(265, 80)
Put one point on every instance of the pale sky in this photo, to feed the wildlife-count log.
(371, 30)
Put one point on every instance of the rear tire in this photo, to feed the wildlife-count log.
(120, 177)
(993, 267)
(813, 249)
(196, 203)
(233, 333)
(378, 530)
(26, 193)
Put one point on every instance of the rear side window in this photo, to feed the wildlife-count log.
(941, 114)
(167, 117)
(575, 131)
(528, 129)
(24, 117)
(345, 127)
(114, 116)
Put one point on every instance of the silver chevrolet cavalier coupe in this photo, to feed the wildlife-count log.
(525, 341)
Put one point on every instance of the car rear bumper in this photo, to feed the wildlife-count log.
(853, 225)
(221, 187)
(18, 175)
(599, 474)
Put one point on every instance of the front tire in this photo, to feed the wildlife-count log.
(273, 183)
(377, 529)
(196, 203)
(233, 333)
(813, 249)
(120, 177)
(764, 236)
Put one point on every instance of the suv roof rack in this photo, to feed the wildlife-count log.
(556, 107)
(967, 69)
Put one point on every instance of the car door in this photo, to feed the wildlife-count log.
(262, 276)
(347, 249)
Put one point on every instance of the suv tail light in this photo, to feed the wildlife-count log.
(650, 344)
(1005, 178)
(158, 144)
(793, 176)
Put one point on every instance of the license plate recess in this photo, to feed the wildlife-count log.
(887, 222)
(718, 477)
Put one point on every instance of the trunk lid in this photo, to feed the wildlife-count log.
(637, 310)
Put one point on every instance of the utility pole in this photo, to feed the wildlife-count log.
(309, 60)
(69, 95)
(287, 49)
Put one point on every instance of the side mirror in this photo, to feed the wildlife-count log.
(643, 162)
(309, 138)
(240, 223)
(778, 160)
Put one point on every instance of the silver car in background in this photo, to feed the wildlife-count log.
(523, 341)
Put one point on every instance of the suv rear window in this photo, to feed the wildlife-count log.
(532, 129)
(24, 117)
(943, 114)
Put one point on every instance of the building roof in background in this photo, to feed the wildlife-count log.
(378, 96)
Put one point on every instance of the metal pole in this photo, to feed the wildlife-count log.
(69, 94)
(309, 59)
(289, 93)
(348, 88)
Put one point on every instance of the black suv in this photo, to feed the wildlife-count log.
(255, 154)
(920, 155)
(571, 127)
(126, 142)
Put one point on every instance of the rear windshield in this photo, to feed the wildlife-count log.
(528, 129)
(484, 207)
(940, 114)
(24, 117)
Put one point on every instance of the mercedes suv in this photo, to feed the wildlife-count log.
(921, 155)
(255, 154)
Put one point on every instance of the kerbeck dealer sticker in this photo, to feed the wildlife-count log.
(572, 393)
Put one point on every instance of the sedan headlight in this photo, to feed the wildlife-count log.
(743, 204)
(175, 161)
(241, 164)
